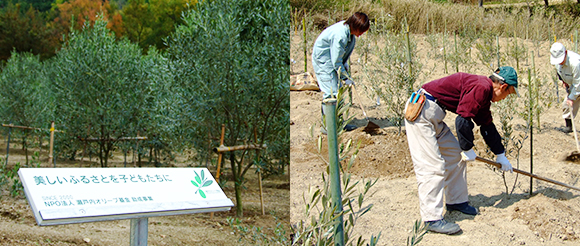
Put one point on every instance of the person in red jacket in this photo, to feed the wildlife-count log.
(439, 159)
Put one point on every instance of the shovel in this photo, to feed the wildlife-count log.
(493, 163)
(575, 155)
(371, 127)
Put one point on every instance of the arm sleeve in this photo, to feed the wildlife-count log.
(471, 101)
(464, 128)
(575, 87)
(337, 51)
(492, 138)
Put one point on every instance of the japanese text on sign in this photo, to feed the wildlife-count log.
(100, 179)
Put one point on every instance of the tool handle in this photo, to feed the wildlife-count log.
(574, 129)
(493, 163)
(360, 103)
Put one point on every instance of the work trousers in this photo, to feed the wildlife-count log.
(437, 162)
(328, 84)
(567, 110)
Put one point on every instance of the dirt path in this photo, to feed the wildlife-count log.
(18, 226)
(550, 217)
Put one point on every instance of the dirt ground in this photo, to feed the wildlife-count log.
(18, 226)
(549, 217)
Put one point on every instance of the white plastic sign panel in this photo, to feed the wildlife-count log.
(75, 195)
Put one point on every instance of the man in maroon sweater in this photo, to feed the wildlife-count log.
(439, 159)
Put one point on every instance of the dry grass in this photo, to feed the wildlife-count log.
(529, 21)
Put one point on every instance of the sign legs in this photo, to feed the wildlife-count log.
(139, 231)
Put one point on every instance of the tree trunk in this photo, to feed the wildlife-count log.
(237, 186)
(25, 146)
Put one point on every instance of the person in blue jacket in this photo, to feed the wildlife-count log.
(331, 51)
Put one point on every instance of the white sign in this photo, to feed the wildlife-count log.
(76, 195)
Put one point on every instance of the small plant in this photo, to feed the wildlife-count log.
(487, 51)
(256, 235)
(513, 144)
(394, 74)
(320, 216)
(419, 230)
(12, 174)
(3, 179)
(517, 51)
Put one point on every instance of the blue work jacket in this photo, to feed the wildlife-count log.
(330, 53)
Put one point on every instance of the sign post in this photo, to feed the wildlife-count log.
(139, 229)
(78, 195)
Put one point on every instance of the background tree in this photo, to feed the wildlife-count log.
(40, 5)
(24, 98)
(75, 13)
(148, 22)
(102, 88)
(231, 67)
(24, 30)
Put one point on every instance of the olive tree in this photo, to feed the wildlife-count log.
(102, 88)
(231, 66)
(24, 98)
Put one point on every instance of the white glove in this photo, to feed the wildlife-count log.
(348, 82)
(505, 164)
(468, 155)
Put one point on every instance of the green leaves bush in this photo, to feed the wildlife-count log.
(227, 64)
(230, 66)
(102, 87)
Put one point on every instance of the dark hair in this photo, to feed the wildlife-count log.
(358, 21)
(495, 78)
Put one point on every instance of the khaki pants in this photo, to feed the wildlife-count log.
(437, 162)
(566, 110)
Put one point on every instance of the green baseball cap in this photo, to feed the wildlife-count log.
(509, 76)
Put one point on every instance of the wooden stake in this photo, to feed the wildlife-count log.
(259, 174)
(217, 175)
(305, 43)
(261, 193)
(238, 147)
(51, 142)
(220, 153)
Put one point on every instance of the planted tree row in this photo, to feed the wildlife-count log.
(41, 26)
(227, 64)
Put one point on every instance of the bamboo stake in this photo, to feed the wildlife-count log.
(445, 46)
(51, 142)
(26, 127)
(456, 54)
(576, 41)
(493, 163)
(497, 42)
(8, 146)
(259, 174)
(219, 163)
(531, 132)
(305, 43)
(112, 139)
(554, 28)
(85, 146)
(409, 49)
(238, 147)
(136, 152)
(261, 193)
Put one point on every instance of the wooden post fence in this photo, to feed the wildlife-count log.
(223, 148)
(52, 130)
